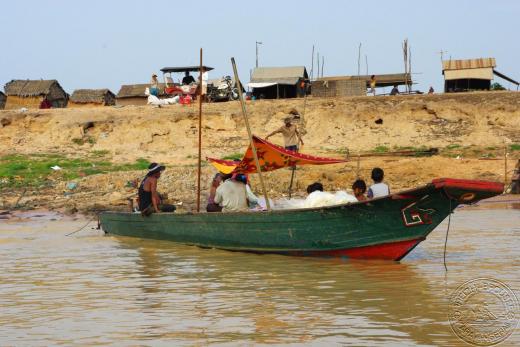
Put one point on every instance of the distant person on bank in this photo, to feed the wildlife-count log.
(373, 84)
(291, 136)
(154, 85)
(395, 90)
(150, 200)
(187, 79)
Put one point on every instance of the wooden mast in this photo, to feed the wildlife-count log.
(251, 142)
(200, 133)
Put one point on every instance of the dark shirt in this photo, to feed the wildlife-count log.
(145, 198)
(394, 91)
(188, 79)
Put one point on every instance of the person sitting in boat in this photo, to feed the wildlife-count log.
(252, 199)
(291, 136)
(378, 188)
(215, 183)
(232, 194)
(149, 199)
(316, 186)
(359, 187)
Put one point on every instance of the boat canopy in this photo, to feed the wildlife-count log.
(271, 157)
(194, 68)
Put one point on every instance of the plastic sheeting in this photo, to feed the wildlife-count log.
(316, 199)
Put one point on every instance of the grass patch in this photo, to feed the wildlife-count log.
(453, 146)
(514, 147)
(35, 170)
(80, 141)
(99, 153)
(380, 149)
(233, 156)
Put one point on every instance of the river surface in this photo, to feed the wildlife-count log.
(91, 289)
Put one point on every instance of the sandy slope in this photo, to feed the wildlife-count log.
(331, 126)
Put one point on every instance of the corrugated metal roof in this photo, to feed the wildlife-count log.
(281, 75)
(30, 87)
(462, 64)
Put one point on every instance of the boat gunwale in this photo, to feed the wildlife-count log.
(437, 184)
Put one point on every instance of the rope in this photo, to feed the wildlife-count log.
(84, 226)
(446, 240)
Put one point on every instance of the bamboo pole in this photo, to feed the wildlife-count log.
(199, 168)
(312, 63)
(505, 166)
(250, 135)
(358, 168)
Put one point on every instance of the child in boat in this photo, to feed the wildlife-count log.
(378, 188)
(359, 187)
(316, 186)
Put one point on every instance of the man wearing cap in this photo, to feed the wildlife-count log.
(291, 136)
(149, 198)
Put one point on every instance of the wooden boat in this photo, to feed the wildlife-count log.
(384, 228)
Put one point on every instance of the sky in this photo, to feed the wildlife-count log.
(104, 44)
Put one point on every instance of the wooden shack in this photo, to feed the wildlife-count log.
(355, 85)
(471, 74)
(3, 97)
(35, 94)
(278, 82)
(92, 97)
(134, 94)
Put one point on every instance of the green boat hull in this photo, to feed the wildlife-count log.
(384, 228)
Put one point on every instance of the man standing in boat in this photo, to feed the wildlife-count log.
(291, 136)
(149, 199)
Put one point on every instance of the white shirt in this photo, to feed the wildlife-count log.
(377, 190)
(232, 196)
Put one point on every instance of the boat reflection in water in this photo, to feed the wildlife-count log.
(210, 296)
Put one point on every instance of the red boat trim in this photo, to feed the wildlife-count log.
(470, 185)
(385, 251)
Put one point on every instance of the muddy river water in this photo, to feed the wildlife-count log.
(91, 289)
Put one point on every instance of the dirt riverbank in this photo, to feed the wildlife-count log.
(470, 130)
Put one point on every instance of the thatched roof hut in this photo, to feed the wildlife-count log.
(92, 97)
(133, 94)
(34, 93)
(3, 97)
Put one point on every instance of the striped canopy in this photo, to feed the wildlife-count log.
(271, 157)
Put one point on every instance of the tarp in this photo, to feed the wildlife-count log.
(271, 157)
(260, 85)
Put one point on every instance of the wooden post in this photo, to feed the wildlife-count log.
(200, 133)
(505, 165)
(251, 142)
(358, 165)
(312, 63)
